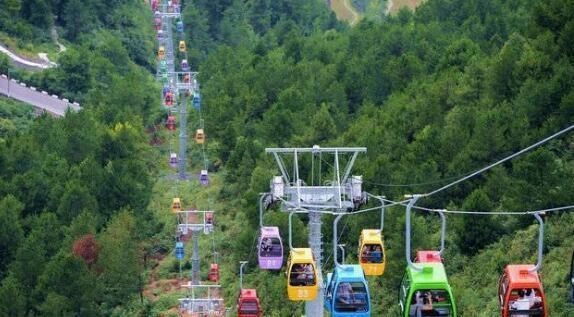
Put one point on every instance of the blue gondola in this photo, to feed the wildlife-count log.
(347, 293)
(196, 101)
(179, 27)
(179, 253)
(165, 90)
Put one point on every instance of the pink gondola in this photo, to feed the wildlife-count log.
(270, 249)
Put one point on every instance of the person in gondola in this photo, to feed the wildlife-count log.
(266, 246)
(522, 303)
(344, 294)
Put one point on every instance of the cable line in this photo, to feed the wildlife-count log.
(537, 144)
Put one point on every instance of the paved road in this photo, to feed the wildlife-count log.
(38, 99)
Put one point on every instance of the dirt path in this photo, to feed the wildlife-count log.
(27, 63)
(393, 6)
(344, 11)
(156, 287)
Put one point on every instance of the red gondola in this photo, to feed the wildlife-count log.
(170, 124)
(248, 304)
(168, 99)
(520, 291)
(213, 273)
(428, 257)
(209, 218)
(157, 23)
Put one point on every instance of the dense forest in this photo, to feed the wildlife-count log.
(433, 94)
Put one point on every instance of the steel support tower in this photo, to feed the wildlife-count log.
(182, 160)
(335, 193)
(195, 279)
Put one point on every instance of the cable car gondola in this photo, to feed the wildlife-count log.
(170, 123)
(179, 251)
(173, 159)
(199, 136)
(157, 24)
(425, 291)
(163, 66)
(203, 178)
(213, 274)
(209, 218)
(196, 101)
(176, 205)
(270, 249)
(168, 100)
(426, 256)
(164, 78)
(371, 252)
(184, 65)
(248, 304)
(347, 294)
(182, 47)
(301, 275)
(520, 291)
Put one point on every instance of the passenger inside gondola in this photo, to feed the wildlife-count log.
(525, 303)
(351, 297)
(271, 247)
(430, 303)
(302, 274)
(372, 253)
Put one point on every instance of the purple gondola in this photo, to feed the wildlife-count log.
(173, 160)
(184, 65)
(270, 249)
(203, 178)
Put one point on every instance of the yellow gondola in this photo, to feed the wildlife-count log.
(199, 136)
(372, 252)
(182, 47)
(176, 205)
(301, 275)
(161, 52)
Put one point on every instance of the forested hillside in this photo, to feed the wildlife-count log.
(74, 191)
(433, 95)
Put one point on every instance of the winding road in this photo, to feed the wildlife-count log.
(39, 99)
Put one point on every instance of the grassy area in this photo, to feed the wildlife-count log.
(28, 49)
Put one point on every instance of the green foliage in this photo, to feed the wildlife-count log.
(11, 233)
(433, 95)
